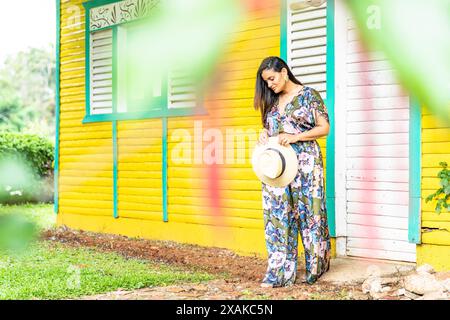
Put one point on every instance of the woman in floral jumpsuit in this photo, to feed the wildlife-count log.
(300, 206)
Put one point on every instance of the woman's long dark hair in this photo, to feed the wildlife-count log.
(265, 98)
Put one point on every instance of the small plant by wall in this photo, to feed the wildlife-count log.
(443, 193)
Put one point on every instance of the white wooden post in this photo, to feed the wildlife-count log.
(340, 33)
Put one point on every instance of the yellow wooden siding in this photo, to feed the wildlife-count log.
(435, 227)
(240, 190)
(86, 155)
(244, 241)
(436, 255)
(231, 108)
(140, 169)
(435, 148)
(85, 175)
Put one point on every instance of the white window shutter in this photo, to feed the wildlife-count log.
(101, 51)
(181, 90)
(121, 69)
(307, 46)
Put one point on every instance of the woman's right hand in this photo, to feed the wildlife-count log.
(263, 137)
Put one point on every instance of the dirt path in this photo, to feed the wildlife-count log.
(238, 276)
(235, 289)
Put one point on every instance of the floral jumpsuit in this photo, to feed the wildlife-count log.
(300, 206)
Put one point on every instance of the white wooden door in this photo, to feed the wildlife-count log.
(376, 155)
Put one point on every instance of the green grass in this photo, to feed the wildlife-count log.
(48, 270)
(41, 214)
(54, 271)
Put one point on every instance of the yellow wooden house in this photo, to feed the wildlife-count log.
(116, 169)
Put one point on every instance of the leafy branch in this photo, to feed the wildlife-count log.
(443, 193)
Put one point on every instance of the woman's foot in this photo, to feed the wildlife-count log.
(309, 278)
(266, 285)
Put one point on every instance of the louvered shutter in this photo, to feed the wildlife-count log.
(101, 100)
(182, 92)
(307, 51)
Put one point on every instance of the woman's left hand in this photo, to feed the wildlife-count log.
(285, 139)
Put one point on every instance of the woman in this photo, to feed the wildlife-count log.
(298, 116)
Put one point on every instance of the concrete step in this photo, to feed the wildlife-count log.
(355, 270)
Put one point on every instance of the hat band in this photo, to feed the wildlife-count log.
(283, 162)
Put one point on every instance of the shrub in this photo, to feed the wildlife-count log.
(26, 168)
(35, 150)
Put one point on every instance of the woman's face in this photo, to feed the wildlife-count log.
(274, 80)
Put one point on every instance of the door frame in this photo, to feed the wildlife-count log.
(340, 37)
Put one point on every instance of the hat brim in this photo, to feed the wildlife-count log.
(290, 170)
(302, 5)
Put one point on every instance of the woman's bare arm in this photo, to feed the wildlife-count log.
(321, 129)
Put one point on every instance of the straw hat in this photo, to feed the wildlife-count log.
(275, 164)
(304, 4)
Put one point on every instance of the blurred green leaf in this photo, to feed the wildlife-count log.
(16, 232)
(410, 34)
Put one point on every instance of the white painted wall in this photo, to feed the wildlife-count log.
(372, 115)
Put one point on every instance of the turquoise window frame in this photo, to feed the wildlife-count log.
(415, 170)
(162, 112)
(57, 107)
(330, 153)
(331, 164)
